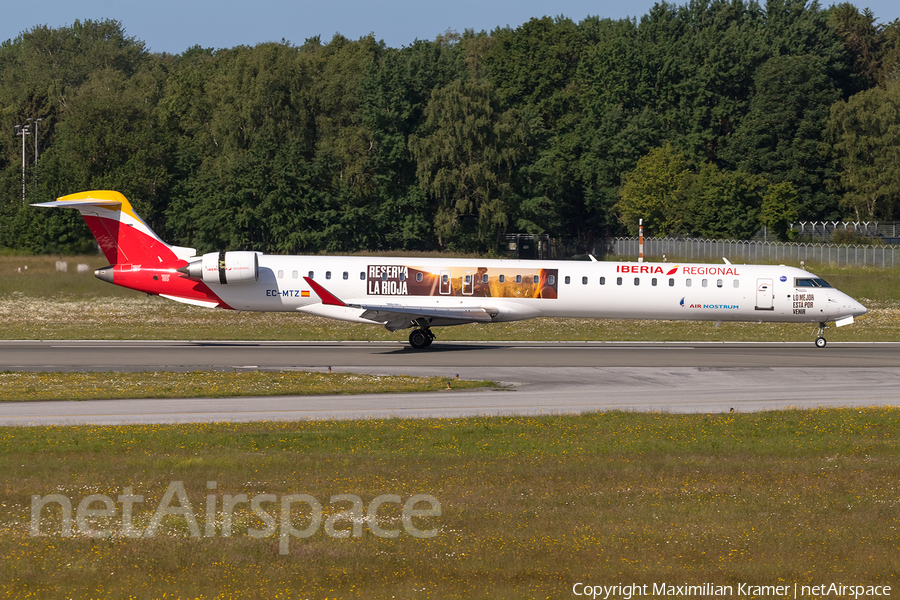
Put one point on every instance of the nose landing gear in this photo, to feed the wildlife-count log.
(820, 339)
(421, 338)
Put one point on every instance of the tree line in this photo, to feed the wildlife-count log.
(710, 119)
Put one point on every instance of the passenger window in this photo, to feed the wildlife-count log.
(484, 278)
(584, 280)
(618, 281)
(362, 275)
(384, 276)
(502, 279)
(718, 283)
(671, 282)
(637, 281)
(295, 275)
(468, 279)
(402, 276)
(444, 278)
(737, 283)
(346, 275)
(518, 279)
(568, 280)
(687, 282)
(653, 282)
(280, 274)
(536, 279)
(312, 275)
(327, 274)
(603, 281)
(551, 280)
(418, 277)
(703, 283)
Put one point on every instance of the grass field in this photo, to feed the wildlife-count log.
(44, 304)
(26, 386)
(529, 505)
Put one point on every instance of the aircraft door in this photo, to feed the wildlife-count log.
(445, 283)
(764, 297)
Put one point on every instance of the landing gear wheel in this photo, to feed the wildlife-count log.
(419, 339)
(820, 336)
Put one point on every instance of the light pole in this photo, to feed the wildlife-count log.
(36, 140)
(23, 131)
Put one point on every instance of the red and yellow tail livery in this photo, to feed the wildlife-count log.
(138, 258)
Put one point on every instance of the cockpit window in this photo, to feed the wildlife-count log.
(814, 282)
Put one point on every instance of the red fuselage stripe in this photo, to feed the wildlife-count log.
(326, 296)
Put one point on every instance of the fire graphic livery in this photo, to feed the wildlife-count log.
(484, 282)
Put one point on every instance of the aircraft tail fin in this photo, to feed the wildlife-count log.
(122, 235)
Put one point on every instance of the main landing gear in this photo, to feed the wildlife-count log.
(421, 338)
(820, 339)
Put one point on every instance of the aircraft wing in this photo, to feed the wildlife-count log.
(397, 316)
(390, 312)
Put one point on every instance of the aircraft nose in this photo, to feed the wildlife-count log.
(855, 307)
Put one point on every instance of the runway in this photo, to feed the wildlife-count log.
(541, 378)
(96, 355)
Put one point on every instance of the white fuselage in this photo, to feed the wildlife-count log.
(512, 290)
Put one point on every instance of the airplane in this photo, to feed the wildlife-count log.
(423, 293)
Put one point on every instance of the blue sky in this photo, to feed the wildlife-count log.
(173, 26)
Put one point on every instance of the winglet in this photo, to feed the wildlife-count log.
(324, 295)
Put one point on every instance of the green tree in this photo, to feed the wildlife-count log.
(722, 204)
(781, 133)
(863, 41)
(865, 134)
(779, 209)
(464, 158)
(253, 173)
(653, 192)
(48, 74)
(533, 64)
(393, 95)
(890, 62)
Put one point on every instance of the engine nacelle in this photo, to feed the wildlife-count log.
(232, 268)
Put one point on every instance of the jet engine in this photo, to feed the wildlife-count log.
(232, 268)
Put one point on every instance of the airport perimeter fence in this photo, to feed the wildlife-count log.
(824, 231)
(755, 252)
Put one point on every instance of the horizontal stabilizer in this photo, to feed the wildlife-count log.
(111, 204)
